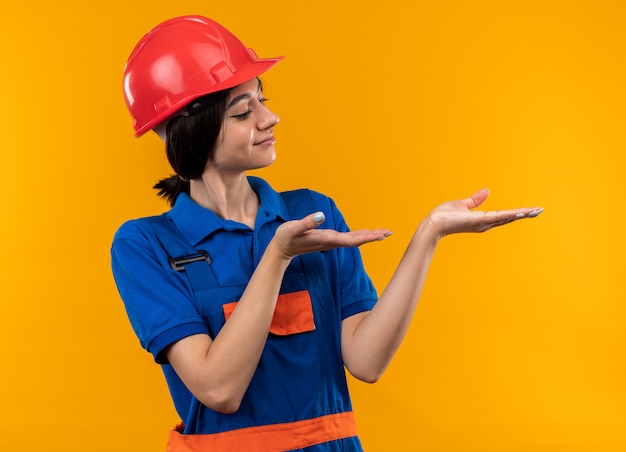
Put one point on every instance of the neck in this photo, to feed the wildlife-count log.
(229, 198)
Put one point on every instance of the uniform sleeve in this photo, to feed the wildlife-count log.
(351, 283)
(158, 300)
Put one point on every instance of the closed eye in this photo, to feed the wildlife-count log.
(245, 114)
(242, 116)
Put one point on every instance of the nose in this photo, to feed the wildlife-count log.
(266, 118)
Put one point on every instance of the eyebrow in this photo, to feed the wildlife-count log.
(238, 99)
(241, 97)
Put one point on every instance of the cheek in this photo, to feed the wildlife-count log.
(237, 137)
(249, 135)
(220, 145)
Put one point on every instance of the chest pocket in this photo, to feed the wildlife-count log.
(293, 313)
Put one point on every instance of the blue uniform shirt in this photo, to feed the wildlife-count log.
(300, 375)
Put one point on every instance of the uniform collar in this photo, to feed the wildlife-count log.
(197, 222)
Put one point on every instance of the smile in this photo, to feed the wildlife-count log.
(268, 141)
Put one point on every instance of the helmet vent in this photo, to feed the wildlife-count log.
(221, 71)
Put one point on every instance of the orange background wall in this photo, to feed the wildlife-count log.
(389, 107)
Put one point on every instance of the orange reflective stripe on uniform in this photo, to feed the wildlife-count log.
(268, 438)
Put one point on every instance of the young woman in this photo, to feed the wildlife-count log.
(254, 302)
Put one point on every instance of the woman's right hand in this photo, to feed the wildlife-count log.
(302, 236)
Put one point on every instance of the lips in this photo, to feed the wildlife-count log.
(267, 141)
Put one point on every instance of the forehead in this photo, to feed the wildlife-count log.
(250, 87)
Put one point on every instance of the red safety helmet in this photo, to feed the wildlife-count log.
(180, 60)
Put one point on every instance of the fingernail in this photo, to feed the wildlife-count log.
(319, 217)
(519, 215)
(535, 213)
(387, 234)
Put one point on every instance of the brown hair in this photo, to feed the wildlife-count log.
(190, 142)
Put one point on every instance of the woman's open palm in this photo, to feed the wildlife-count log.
(458, 216)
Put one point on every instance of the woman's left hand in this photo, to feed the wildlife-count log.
(458, 216)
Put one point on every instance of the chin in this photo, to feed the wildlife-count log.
(264, 164)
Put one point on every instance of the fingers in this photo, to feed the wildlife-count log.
(505, 216)
(477, 198)
(361, 237)
(500, 218)
(534, 213)
(305, 235)
(307, 223)
(518, 214)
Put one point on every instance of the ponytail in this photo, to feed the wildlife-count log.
(170, 187)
